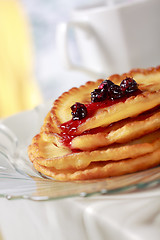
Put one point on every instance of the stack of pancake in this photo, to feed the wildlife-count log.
(115, 139)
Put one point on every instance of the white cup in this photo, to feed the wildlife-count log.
(113, 38)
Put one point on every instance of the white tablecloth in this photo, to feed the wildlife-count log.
(115, 217)
(134, 216)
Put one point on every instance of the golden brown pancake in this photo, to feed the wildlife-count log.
(119, 132)
(119, 138)
(49, 155)
(98, 170)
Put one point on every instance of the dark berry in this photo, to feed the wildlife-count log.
(79, 111)
(128, 85)
(105, 84)
(98, 95)
(115, 92)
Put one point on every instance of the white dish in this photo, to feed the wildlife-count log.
(18, 179)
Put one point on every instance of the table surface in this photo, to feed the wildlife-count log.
(123, 217)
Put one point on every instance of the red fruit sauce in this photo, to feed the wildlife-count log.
(69, 129)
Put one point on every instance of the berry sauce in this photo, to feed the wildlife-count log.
(69, 129)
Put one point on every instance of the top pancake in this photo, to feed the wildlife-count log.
(119, 132)
(149, 84)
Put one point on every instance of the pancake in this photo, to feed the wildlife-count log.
(119, 132)
(148, 81)
(114, 136)
(103, 169)
(49, 155)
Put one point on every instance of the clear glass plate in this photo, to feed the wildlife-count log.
(18, 179)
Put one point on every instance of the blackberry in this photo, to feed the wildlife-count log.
(115, 92)
(79, 111)
(105, 84)
(128, 85)
(98, 95)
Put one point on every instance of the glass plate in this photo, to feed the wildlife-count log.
(18, 179)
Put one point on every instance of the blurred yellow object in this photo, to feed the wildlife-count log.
(18, 89)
